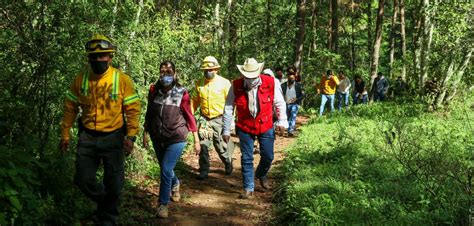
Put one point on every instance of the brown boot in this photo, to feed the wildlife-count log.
(264, 183)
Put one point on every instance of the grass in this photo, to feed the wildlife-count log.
(380, 164)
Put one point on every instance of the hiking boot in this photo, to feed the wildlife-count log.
(162, 211)
(228, 168)
(246, 195)
(264, 183)
(175, 195)
(291, 134)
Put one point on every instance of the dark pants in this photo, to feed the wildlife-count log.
(91, 150)
(379, 96)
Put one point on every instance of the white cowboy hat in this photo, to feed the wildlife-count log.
(268, 71)
(251, 68)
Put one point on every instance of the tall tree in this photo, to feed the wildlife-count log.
(232, 60)
(378, 40)
(314, 24)
(392, 37)
(369, 26)
(403, 39)
(299, 38)
(334, 25)
(353, 45)
(428, 27)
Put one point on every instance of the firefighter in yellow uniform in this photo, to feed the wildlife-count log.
(108, 125)
(210, 95)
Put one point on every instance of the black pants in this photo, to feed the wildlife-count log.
(91, 150)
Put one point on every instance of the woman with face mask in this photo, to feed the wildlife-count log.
(168, 120)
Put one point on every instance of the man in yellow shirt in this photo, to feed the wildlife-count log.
(327, 89)
(107, 99)
(210, 95)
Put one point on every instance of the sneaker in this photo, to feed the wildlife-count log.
(291, 134)
(228, 168)
(162, 211)
(246, 195)
(264, 183)
(175, 195)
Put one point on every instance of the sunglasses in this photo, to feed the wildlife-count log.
(101, 44)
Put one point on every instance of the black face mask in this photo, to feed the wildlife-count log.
(99, 67)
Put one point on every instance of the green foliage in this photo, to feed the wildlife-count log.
(380, 164)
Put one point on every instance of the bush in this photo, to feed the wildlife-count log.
(380, 164)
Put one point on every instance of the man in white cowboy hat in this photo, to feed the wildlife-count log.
(254, 96)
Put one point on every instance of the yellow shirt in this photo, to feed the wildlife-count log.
(103, 101)
(210, 95)
(328, 86)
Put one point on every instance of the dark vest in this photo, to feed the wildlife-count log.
(165, 121)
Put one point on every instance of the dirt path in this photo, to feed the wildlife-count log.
(215, 201)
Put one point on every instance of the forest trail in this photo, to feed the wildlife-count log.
(213, 201)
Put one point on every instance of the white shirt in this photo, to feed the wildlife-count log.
(344, 85)
(290, 93)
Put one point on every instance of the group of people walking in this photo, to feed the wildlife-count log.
(109, 109)
(331, 86)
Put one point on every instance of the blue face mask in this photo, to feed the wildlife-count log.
(166, 80)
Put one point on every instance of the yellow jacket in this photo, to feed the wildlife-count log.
(328, 86)
(210, 95)
(103, 101)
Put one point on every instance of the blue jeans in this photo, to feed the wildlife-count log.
(358, 101)
(340, 97)
(266, 141)
(324, 99)
(379, 96)
(291, 112)
(167, 158)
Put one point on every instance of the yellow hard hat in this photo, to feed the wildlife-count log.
(100, 44)
(209, 62)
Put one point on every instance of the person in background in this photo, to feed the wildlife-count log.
(293, 94)
(291, 70)
(400, 87)
(168, 120)
(209, 95)
(107, 98)
(380, 87)
(327, 89)
(279, 74)
(360, 91)
(254, 96)
(342, 92)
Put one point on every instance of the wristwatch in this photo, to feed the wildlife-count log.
(132, 138)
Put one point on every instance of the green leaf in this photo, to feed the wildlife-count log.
(15, 202)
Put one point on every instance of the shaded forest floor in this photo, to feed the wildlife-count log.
(210, 202)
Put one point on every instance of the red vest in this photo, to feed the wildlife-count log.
(265, 94)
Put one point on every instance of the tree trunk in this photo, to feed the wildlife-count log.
(378, 41)
(369, 27)
(335, 25)
(268, 29)
(458, 72)
(132, 34)
(428, 27)
(314, 24)
(232, 60)
(392, 37)
(353, 50)
(416, 44)
(299, 38)
(330, 39)
(403, 39)
(219, 29)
